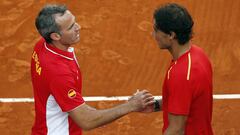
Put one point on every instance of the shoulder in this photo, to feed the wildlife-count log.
(199, 59)
(39, 44)
(198, 54)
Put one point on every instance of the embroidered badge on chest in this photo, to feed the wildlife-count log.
(72, 93)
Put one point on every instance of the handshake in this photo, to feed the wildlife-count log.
(143, 101)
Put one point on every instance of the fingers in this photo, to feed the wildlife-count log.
(144, 91)
(141, 99)
(146, 95)
(149, 99)
(141, 92)
(151, 102)
(136, 92)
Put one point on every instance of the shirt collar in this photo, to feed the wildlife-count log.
(65, 54)
(182, 56)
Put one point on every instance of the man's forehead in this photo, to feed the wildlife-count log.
(60, 17)
(64, 19)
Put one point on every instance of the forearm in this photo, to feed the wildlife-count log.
(102, 117)
(172, 131)
(88, 118)
(176, 124)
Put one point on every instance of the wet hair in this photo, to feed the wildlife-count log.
(172, 17)
(45, 21)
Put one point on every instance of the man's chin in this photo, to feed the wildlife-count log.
(161, 47)
(76, 41)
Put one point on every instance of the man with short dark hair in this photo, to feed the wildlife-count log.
(187, 88)
(57, 81)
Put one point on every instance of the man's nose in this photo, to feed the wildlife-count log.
(78, 27)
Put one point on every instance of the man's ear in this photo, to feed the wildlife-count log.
(172, 35)
(55, 36)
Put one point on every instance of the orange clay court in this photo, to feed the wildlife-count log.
(118, 55)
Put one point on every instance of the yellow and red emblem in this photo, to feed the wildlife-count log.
(72, 93)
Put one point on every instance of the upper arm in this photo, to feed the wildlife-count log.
(176, 124)
(180, 92)
(64, 89)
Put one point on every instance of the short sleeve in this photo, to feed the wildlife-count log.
(64, 89)
(180, 94)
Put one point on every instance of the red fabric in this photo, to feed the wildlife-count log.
(56, 73)
(192, 97)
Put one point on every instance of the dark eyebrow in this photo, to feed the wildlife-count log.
(71, 26)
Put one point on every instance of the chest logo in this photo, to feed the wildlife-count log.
(72, 93)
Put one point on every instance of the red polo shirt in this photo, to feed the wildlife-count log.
(187, 90)
(57, 85)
